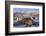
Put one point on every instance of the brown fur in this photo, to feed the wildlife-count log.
(27, 21)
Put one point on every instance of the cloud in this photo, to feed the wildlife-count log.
(23, 10)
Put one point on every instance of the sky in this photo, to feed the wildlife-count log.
(23, 10)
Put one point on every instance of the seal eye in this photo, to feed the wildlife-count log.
(33, 17)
